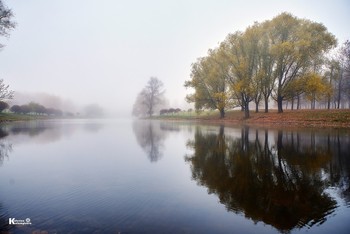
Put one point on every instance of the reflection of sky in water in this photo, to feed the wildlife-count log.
(97, 176)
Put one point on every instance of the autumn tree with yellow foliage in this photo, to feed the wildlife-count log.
(268, 59)
(242, 53)
(209, 79)
(296, 43)
(315, 88)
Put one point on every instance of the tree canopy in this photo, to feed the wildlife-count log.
(3, 106)
(36, 109)
(6, 25)
(265, 61)
(5, 93)
(211, 83)
(6, 20)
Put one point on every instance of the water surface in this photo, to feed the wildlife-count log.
(110, 176)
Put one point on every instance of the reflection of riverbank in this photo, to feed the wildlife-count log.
(46, 131)
(277, 177)
(40, 132)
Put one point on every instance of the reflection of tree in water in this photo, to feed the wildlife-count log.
(3, 133)
(5, 147)
(332, 148)
(28, 128)
(5, 150)
(169, 126)
(281, 183)
(150, 137)
(339, 168)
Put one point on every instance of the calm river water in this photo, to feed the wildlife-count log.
(122, 176)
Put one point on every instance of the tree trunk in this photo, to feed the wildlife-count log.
(340, 87)
(222, 113)
(266, 104)
(292, 104)
(256, 107)
(242, 102)
(280, 103)
(298, 102)
(338, 104)
(246, 110)
(330, 84)
(329, 103)
(313, 101)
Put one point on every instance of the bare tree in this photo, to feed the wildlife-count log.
(5, 93)
(6, 23)
(149, 98)
(345, 71)
(345, 55)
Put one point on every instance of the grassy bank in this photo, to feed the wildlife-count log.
(305, 118)
(8, 117)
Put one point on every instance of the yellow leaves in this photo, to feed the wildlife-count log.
(221, 99)
(266, 56)
(313, 82)
(328, 91)
(238, 86)
(243, 86)
(208, 78)
(315, 87)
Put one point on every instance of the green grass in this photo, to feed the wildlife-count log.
(189, 115)
(7, 117)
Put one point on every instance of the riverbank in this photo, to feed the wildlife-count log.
(9, 117)
(297, 118)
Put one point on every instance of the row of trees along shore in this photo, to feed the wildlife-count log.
(283, 59)
(32, 108)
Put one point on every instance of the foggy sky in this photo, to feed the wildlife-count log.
(104, 51)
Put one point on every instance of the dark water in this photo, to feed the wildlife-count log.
(86, 176)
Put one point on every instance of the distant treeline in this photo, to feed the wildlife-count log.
(169, 111)
(34, 109)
